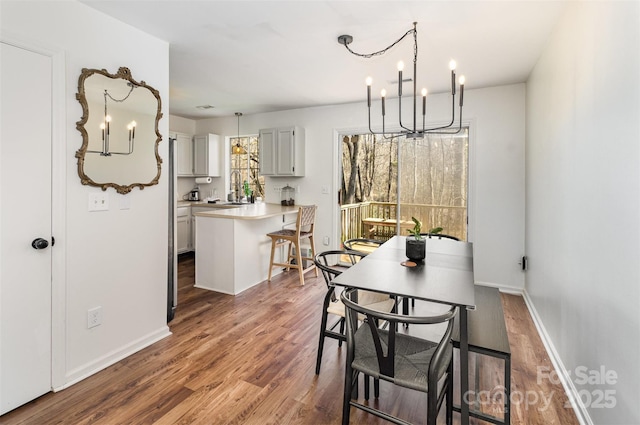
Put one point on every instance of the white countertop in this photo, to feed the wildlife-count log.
(245, 212)
(204, 204)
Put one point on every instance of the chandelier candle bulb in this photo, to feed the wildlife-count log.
(400, 68)
(424, 103)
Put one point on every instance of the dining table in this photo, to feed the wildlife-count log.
(444, 276)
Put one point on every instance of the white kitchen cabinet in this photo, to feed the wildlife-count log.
(185, 235)
(184, 154)
(198, 156)
(207, 155)
(282, 152)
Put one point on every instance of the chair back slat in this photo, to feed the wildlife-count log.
(307, 215)
(386, 362)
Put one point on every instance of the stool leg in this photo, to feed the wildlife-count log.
(289, 255)
(313, 252)
(273, 248)
(299, 263)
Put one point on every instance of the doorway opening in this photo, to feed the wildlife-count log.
(432, 175)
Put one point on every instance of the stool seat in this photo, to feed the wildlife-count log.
(292, 238)
(288, 233)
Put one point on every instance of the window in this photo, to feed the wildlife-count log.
(248, 165)
(433, 184)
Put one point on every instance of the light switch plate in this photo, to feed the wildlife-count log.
(125, 202)
(98, 201)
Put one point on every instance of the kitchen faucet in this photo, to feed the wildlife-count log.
(237, 185)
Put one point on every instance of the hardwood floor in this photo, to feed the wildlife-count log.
(250, 359)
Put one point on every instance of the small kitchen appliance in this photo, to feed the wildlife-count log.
(194, 195)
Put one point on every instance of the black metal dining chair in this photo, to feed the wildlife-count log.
(401, 359)
(362, 245)
(331, 264)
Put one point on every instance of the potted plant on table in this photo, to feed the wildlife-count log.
(416, 245)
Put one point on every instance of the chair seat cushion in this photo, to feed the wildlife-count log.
(372, 300)
(413, 356)
(336, 307)
(288, 233)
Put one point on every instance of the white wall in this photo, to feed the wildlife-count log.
(115, 259)
(182, 125)
(496, 116)
(583, 197)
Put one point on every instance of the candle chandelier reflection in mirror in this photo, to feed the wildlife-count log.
(105, 126)
(414, 131)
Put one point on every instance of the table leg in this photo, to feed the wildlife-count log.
(464, 367)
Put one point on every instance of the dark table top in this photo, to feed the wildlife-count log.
(445, 276)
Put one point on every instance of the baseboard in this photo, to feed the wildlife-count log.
(561, 370)
(503, 288)
(83, 372)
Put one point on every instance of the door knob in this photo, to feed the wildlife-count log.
(39, 243)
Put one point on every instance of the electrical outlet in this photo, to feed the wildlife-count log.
(277, 188)
(94, 317)
(325, 241)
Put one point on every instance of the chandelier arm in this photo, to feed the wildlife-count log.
(369, 117)
(453, 117)
(434, 129)
(400, 114)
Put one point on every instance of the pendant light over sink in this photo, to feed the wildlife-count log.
(237, 149)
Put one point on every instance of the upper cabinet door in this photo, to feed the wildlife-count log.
(184, 154)
(267, 140)
(282, 152)
(286, 152)
(206, 155)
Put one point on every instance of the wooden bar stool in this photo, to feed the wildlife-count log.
(292, 238)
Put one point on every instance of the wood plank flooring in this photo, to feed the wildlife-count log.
(250, 359)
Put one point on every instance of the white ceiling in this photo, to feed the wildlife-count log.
(260, 56)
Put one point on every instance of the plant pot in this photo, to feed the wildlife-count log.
(415, 248)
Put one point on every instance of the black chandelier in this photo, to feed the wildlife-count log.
(411, 131)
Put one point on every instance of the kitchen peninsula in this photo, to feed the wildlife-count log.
(232, 247)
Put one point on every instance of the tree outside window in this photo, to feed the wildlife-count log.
(433, 180)
(248, 164)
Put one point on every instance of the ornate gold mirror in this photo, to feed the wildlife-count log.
(119, 128)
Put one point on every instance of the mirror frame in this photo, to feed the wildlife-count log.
(125, 74)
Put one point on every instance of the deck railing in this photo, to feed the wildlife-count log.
(452, 219)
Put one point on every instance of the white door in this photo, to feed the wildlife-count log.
(25, 216)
